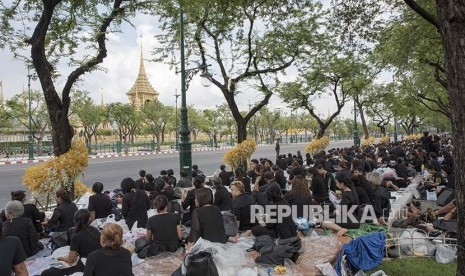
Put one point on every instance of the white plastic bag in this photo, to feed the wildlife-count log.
(431, 195)
(412, 243)
(445, 253)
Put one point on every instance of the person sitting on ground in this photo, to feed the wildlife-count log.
(30, 210)
(349, 198)
(224, 175)
(162, 187)
(172, 179)
(12, 255)
(140, 183)
(149, 186)
(195, 168)
(207, 221)
(86, 239)
(241, 203)
(380, 201)
(184, 182)
(319, 188)
(279, 177)
(135, 204)
(284, 229)
(62, 217)
(99, 204)
(21, 227)
(239, 175)
(252, 174)
(447, 224)
(188, 200)
(299, 196)
(163, 229)
(111, 259)
(222, 195)
(436, 177)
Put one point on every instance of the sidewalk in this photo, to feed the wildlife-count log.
(40, 159)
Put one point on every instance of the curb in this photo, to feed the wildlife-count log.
(13, 162)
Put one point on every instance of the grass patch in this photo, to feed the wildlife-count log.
(415, 266)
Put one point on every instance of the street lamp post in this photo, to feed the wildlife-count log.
(395, 130)
(176, 121)
(185, 147)
(356, 138)
(30, 142)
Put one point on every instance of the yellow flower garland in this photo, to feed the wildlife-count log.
(368, 142)
(240, 154)
(385, 140)
(317, 145)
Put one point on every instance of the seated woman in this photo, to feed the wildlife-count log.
(222, 195)
(207, 221)
(21, 227)
(111, 259)
(86, 239)
(30, 210)
(99, 204)
(62, 217)
(163, 229)
(380, 202)
(299, 195)
(12, 255)
(241, 203)
(283, 230)
(349, 199)
(135, 204)
(188, 200)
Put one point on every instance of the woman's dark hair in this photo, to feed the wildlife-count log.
(81, 219)
(170, 172)
(239, 173)
(217, 182)
(342, 178)
(203, 196)
(142, 173)
(300, 187)
(63, 194)
(198, 181)
(273, 193)
(160, 203)
(159, 185)
(18, 195)
(149, 177)
(127, 185)
(97, 187)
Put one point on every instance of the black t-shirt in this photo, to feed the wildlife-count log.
(284, 229)
(164, 231)
(207, 223)
(25, 231)
(85, 241)
(63, 216)
(223, 199)
(134, 208)
(11, 254)
(241, 209)
(100, 204)
(319, 188)
(299, 201)
(109, 262)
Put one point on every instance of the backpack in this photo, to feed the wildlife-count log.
(276, 253)
(175, 208)
(229, 222)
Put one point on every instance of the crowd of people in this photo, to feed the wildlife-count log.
(344, 176)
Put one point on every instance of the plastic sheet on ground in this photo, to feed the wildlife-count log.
(317, 250)
(160, 265)
(37, 266)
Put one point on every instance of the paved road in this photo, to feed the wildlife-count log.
(110, 171)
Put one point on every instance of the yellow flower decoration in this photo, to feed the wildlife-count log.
(317, 145)
(412, 137)
(240, 154)
(384, 140)
(368, 142)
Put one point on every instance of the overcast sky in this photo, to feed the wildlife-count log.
(122, 65)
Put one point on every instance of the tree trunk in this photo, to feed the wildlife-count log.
(452, 21)
(158, 142)
(362, 116)
(321, 130)
(241, 130)
(62, 131)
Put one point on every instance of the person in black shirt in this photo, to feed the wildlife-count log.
(328, 178)
(140, 183)
(149, 186)
(163, 229)
(282, 230)
(380, 202)
(62, 217)
(12, 255)
(111, 259)
(252, 174)
(222, 195)
(86, 239)
(359, 173)
(135, 204)
(239, 175)
(162, 187)
(349, 199)
(171, 179)
(299, 195)
(99, 204)
(188, 200)
(207, 221)
(279, 177)
(241, 206)
(319, 188)
(21, 227)
(184, 182)
(224, 175)
(30, 210)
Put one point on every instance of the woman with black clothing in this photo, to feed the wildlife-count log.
(319, 188)
(299, 195)
(135, 204)
(222, 195)
(162, 187)
(241, 203)
(240, 176)
(381, 203)
(12, 255)
(111, 259)
(30, 210)
(283, 230)
(188, 201)
(21, 227)
(62, 217)
(99, 204)
(207, 220)
(149, 186)
(349, 199)
(86, 239)
(163, 229)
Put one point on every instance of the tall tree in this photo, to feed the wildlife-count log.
(59, 28)
(245, 41)
(156, 117)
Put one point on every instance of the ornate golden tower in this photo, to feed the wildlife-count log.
(142, 91)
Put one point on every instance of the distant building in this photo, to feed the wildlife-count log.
(142, 91)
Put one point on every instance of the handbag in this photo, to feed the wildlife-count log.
(446, 196)
(229, 222)
(200, 264)
(142, 247)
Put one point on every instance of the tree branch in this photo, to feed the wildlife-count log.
(423, 13)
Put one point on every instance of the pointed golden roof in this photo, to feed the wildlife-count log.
(142, 91)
